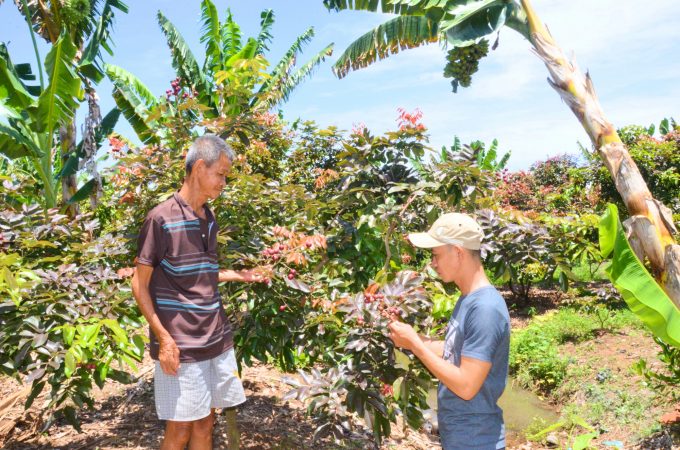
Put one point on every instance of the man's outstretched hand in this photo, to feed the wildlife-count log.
(257, 274)
(403, 335)
(260, 274)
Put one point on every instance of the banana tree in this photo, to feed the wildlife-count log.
(476, 152)
(466, 26)
(40, 119)
(225, 50)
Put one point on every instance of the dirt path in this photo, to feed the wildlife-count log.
(125, 417)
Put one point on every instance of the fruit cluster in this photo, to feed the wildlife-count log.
(75, 11)
(463, 62)
(88, 366)
(177, 89)
(383, 306)
(515, 189)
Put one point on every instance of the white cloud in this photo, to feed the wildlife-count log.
(629, 48)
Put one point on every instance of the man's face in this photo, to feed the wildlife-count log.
(446, 261)
(213, 179)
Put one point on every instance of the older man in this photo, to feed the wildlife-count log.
(175, 286)
(471, 363)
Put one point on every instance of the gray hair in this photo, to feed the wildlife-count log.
(208, 148)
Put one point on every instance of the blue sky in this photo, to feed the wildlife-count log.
(630, 49)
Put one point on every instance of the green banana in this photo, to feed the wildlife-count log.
(463, 62)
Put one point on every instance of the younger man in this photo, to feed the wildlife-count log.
(472, 361)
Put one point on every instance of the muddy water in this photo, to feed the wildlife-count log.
(519, 408)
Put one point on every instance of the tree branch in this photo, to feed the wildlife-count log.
(387, 246)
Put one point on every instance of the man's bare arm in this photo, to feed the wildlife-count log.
(464, 381)
(168, 354)
(436, 346)
(256, 275)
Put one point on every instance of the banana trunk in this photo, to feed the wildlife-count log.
(651, 223)
(69, 183)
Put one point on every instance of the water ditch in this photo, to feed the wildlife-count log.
(519, 406)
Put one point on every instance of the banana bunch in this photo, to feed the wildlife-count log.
(463, 62)
(75, 11)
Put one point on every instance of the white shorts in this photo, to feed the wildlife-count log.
(197, 388)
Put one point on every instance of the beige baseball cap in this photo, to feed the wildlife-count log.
(453, 229)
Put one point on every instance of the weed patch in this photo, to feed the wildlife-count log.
(535, 359)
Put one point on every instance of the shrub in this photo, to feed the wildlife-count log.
(558, 186)
(519, 252)
(535, 362)
(659, 164)
(665, 380)
(554, 171)
(66, 316)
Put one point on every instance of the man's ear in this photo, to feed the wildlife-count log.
(460, 253)
(198, 165)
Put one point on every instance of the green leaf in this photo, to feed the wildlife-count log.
(564, 282)
(12, 90)
(138, 341)
(129, 362)
(135, 112)
(14, 145)
(664, 127)
(36, 390)
(120, 76)
(68, 169)
(9, 279)
(384, 6)
(639, 289)
(120, 376)
(243, 138)
(504, 160)
(490, 157)
(231, 36)
(58, 102)
(72, 417)
(104, 129)
(9, 113)
(402, 32)
(401, 360)
(476, 20)
(91, 59)
(210, 36)
(396, 388)
(117, 330)
(578, 421)
(547, 430)
(70, 362)
(82, 193)
(265, 36)
(248, 52)
(583, 441)
(69, 333)
(183, 59)
(282, 81)
(19, 72)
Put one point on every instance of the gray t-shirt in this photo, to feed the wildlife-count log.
(479, 328)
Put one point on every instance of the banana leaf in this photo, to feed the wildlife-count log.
(643, 295)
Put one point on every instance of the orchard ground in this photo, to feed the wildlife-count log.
(590, 377)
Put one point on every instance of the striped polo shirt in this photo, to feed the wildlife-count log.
(182, 249)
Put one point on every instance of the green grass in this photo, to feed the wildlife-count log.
(583, 272)
(607, 404)
(535, 359)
